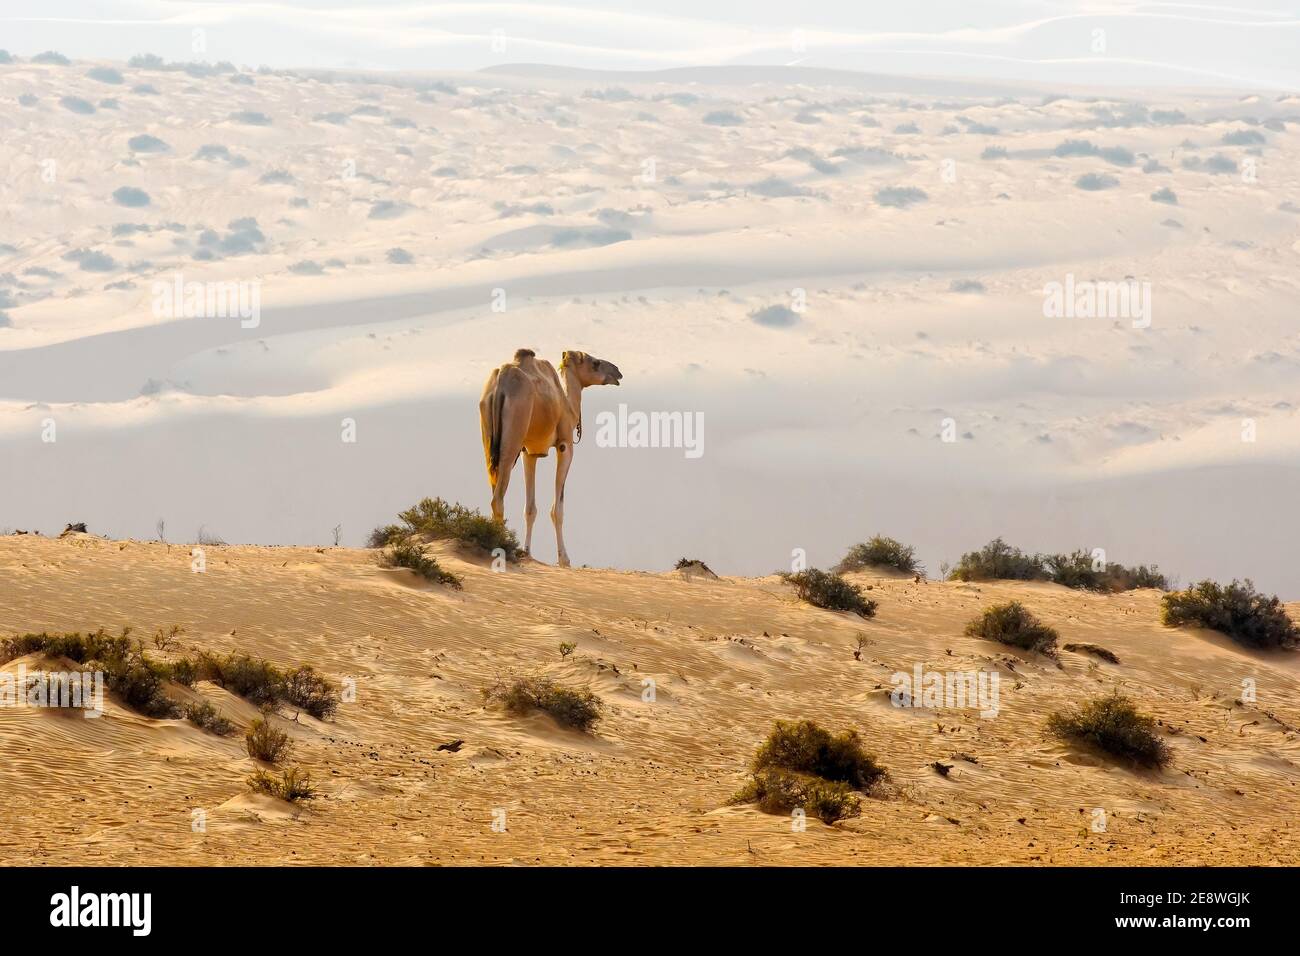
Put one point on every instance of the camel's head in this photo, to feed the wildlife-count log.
(590, 370)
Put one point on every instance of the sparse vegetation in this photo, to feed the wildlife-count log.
(308, 690)
(265, 742)
(1080, 570)
(825, 590)
(384, 535)
(780, 791)
(128, 671)
(1012, 623)
(579, 709)
(881, 552)
(998, 560)
(1236, 609)
(293, 785)
(442, 520)
(1113, 724)
(264, 684)
(567, 648)
(803, 765)
(205, 717)
(1095, 650)
(405, 553)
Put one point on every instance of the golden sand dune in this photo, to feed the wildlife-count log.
(651, 785)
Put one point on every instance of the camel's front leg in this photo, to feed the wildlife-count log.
(530, 494)
(562, 462)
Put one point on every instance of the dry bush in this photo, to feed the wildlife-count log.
(1236, 609)
(881, 552)
(1113, 725)
(830, 591)
(579, 709)
(293, 784)
(1013, 624)
(264, 742)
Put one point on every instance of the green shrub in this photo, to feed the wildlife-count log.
(254, 679)
(442, 520)
(407, 554)
(579, 709)
(805, 747)
(306, 689)
(1013, 624)
(128, 672)
(265, 742)
(1078, 570)
(1112, 724)
(1237, 610)
(830, 591)
(881, 552)
(262, 683)
(205, 717)
(385, 535)
(780, 791)
(998, 560)
(802, 765)
(293, 785)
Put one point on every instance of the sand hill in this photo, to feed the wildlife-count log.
(651, 785)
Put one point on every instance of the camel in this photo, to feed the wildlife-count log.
(525, 409)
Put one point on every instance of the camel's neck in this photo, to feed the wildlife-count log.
(573, 394)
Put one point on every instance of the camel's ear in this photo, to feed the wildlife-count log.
(572, 358)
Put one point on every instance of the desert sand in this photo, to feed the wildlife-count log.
(651, 785)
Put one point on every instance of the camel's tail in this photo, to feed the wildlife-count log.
(492, 435)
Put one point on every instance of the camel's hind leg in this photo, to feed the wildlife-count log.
(530, 494)
(562, 462)
(514, 426)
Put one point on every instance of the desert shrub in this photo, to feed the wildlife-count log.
(184, 671)
(128, 672)
(407, 554)
(264, 684)
(1236, 609)
(804, 747)
(998, 560)
(804, 765)
(780, 791)
(1012, 623)
(205, 717)
(830, 591)
(1078, 570)
(265, 742)
(1112, 724)
(293, 785)
(443, 520)
(881, 552)
(256, 680)
(579, 709)
(1095, 650)
(385, 535)
(304, 688)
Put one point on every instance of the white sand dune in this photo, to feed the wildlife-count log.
(670, 221)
